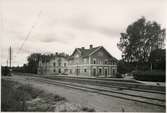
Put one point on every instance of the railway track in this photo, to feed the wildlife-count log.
(107, 82)
(107, 92)
(120, 84)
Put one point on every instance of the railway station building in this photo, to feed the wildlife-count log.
(94, 61)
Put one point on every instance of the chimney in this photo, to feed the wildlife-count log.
(90, 46)
(83, 48)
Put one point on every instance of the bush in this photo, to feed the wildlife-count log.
(59, 98)
(119, 75)
(86, 109)
(125, 67)
(154, 75)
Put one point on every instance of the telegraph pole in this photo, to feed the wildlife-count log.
(7, 63)
(10, 56)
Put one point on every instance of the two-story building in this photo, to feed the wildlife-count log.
(55, 65)
(95, 61)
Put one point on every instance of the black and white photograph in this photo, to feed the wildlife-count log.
(83, 55)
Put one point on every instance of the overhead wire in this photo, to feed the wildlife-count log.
(29, 33)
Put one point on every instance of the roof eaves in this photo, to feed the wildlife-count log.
(78, 50)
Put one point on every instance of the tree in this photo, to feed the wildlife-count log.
(140, 38)
(124, 67)
(157, 59)
(33, 61)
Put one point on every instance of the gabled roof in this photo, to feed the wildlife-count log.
(84, 52)
(88, 52)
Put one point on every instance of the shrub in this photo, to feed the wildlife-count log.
(119, 75)
(59, 98)
(154, 75)
(86, 109)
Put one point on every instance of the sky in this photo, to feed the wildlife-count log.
(49, 26)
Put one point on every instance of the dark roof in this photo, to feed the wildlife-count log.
(84, 52)
(87, 52)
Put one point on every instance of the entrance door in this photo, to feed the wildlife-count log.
(94, 72)
(106, 72)
(100, 71)
(77, 71)
(59, 71)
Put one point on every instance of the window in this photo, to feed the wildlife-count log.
(70, 71)
(113, 63)
(85, 60)
(100, 71)
(77, 71)
(101, 61)
(114, 72)
(94, 61)
(85, 70)
(105, 62)
(59, 70)
(54, 70)
(54, 64)
(64, 64)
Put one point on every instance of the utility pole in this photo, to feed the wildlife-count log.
(7, 63)
(10, 56)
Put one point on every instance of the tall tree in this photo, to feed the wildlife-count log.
(140, 38)
(33, 60)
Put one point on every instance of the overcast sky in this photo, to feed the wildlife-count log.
(63, 25)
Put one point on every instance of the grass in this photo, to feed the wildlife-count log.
(12, 99)
(19, 97)
(14, 96)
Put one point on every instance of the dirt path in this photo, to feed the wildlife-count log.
(99, 102)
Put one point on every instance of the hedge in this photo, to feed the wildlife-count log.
(154, 75)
